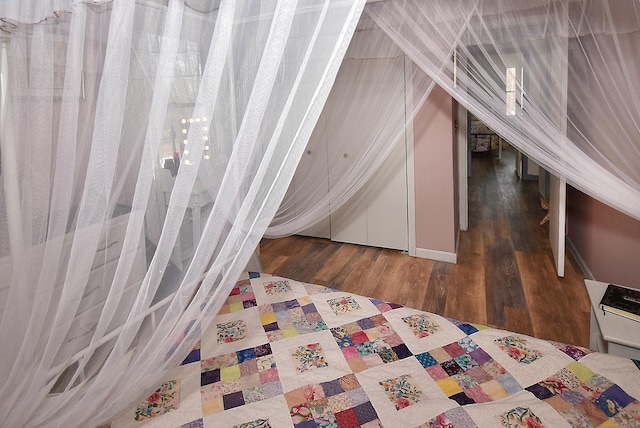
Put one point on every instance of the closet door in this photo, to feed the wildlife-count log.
(313, 164)
(377, 214)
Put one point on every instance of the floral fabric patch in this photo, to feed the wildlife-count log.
(516, 347)
(342, 305)
(232, 331)
(309, 357)
(421, 325)
(275, 287)
(456, 417)
(258, 423)
(402, 391)
(520, 417)
(165, 399)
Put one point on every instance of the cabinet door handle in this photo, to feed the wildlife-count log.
(308, 152)
(345, 155)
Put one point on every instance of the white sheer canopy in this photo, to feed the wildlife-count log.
(146, 147)
(558, 79)
(113, 255)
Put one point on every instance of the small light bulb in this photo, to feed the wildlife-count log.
(186, 151)
(205, 138)
(185, 141)
(204, 128)
(184, 131)
(206, 156)
(204, 119)
(190, 120)
(187, 162)
(197, 120)
(206, 147)
(184, 120)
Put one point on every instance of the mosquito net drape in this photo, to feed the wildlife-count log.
(558, 79)
(145, 148)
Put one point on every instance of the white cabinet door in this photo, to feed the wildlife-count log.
(387, 217)
(314, 164)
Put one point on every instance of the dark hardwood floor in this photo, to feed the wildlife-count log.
(505, 275)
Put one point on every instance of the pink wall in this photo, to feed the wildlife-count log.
(434, 174)
(606, 240)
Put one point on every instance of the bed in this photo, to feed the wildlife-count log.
(284, 353)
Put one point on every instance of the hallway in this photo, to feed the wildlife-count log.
(504, 277)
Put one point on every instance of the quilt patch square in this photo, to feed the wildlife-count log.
(581, 400)
(359, 345)
(519, 417)
(163, 400)
(343, 305)
(224, 386)
(329, 404)
(518, 348)
(290, 319)
(421, 324)
(309, 357)
(241, 297)
(457, 372)
(276, 286)
(456, 417)
(401, 391)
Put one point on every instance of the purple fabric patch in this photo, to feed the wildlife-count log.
(366, 323)
(451, 367)
(263, 350)
(365, 413)
(271, 327)
(332, 388)
(309, 309)
(573, 351)
(616, 394)
(211, 376)
(462, 399)
(249, 303)
(193, 356)
(480, 356)
(573, 397)
(402, 351)
(541, 392)
(290, 304)
(235, 399)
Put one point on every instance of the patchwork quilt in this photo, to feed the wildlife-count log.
(282, 353)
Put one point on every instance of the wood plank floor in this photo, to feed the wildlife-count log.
(504, 277)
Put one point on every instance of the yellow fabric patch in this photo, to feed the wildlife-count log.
(449, 386)
(268, 318)
(235, 307)
(289, 332)
(494, 390)
(609, 423)
(230, 373)
(303, 301)
(581, 371)
(213, 405)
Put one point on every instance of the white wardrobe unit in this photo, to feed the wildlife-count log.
(377, 215)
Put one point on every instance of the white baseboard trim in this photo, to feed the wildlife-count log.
(440, 256)
(576, 255)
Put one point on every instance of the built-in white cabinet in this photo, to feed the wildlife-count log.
(377, 215)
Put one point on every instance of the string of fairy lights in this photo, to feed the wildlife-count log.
(203, 122)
